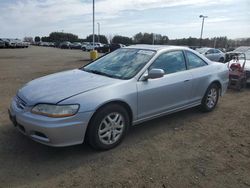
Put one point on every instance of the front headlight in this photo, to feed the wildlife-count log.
(55, 111)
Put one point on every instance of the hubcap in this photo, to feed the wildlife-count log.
(111, 128)
(211, 98)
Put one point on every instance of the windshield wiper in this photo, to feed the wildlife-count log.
(99, 73)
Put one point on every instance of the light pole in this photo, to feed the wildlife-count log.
(93, 52)
(98, 31)
(93, 24)
(153, 38)
(203, 19)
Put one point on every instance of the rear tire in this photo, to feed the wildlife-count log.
(108, 127)
(210, 98)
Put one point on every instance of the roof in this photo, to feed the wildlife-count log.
(155, 47)
(242, 49)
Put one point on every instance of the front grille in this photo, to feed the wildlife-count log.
(20, 103)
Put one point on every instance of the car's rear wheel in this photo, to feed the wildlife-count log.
(108, 127)
(210, 98)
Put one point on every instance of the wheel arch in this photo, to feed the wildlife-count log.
(217, 82)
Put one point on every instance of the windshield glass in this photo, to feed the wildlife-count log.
(122, 63)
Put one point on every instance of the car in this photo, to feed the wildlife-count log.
(116, 46)
(75, 45)
(6, 42)
(52, 44)
(19, 43)
(109, 47)
(104, 49)
(246, 51)
(90, 47)
(84, 45)
(212, 53)
(10, 43)
(26, 44)
(2, 44)
(65, 45)
(44, 44)
(98, 102)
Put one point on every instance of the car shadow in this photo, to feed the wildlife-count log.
(21, 156)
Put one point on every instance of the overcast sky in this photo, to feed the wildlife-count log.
(174, 18)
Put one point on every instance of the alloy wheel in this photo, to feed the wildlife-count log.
(211, 98)
(111, 128)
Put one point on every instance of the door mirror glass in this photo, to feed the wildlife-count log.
(154, 73)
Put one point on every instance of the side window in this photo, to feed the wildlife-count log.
(216, 51)
(194, 61)
(211, 51)
(170, 62)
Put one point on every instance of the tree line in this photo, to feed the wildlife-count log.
(147, 38)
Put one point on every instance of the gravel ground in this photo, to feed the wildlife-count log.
(185, 149)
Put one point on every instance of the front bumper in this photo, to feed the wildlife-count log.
(50, 131)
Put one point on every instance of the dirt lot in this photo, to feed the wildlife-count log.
(186, 149)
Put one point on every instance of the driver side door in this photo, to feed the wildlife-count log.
(172, 91)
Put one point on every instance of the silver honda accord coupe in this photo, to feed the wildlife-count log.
(98, 102)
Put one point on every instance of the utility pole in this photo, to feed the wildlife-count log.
(93, 24)
(93, 52)
(203, 19)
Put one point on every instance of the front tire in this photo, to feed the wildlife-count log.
(210, 98)
(108, 127)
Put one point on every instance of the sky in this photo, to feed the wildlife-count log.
(174, 18)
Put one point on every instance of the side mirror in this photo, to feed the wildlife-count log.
(154, 73)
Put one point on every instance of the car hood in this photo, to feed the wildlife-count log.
(57, 87)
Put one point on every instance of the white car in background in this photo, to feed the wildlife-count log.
(90, 46)
(84, 45)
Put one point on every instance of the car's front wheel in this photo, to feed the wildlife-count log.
(108, 127)
(210, 98)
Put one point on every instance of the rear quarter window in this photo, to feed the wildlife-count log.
(194, 61)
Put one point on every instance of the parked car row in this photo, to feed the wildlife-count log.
(46, 44)
(85, 46)
(13, 43)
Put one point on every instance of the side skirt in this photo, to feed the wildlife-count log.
(166, 113)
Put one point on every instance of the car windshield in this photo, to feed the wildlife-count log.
(122, 64)
(202, 50)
